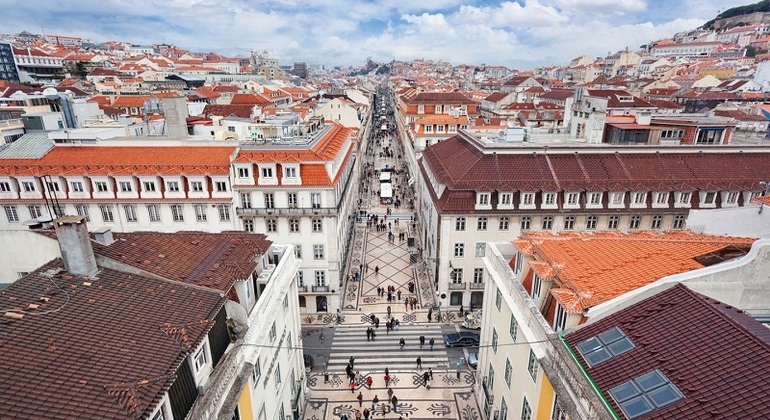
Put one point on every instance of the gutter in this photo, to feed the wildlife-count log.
(595, 387)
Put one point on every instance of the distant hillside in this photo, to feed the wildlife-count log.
(759, 7)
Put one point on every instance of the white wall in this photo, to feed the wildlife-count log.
(739, 221)
(24, 251)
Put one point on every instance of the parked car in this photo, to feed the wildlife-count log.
(462, 339)
(473, 359)
(308, 361)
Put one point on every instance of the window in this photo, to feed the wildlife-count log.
(527, 199)
(278, 379)
(158, 415)
(503, 409)
(290, 172)
(292, 200)
(533, 365)
(557, 413)
(101, 186)
(547, 222)
(28, 186)
(243, 172)
(640, 198)
(173, 186)
(456, 275)
(481, 223)
(613, 222)
(504, 221)
(684, 198)
(569, 223)
(591, 222)
(196, 186)
(6, 187)
(154, 212)
(428, 128)
(294, 225)
(617, 198)
(498, 299)
(267, 172)
(508, 372)
(298, 251)
(525, 222)
(318, 251)
(646, 393)
(300, 279)
(130, 211)
(661, 198)
(272, 334)
(657, 222)
(536, 284)
(248, 225)
(506, 199)
(246, 200)
(315, 198)
(596, 198)
(320, 278)
(494, 339)
(514, 328)
(679, 221)
(82, 210)
(709, 136)
(605, 346)
(317, 225)
(526, 411)
(635, 222)
(269, 200)
(481, 248)
(148, 186)
(125, 186)
(459, 250)
(221, 186)
(200, 359)
(572, 199)
(224, 212)
(200, 213)
(732, 198)
(710, 198)
(483, 199)
(560, 323)
(76, 186)
(491, 382)
(176, 213)
(11, 214)
(460, 223)
(256, 373)
(107, 215)
(272, 225)
(549, 199)
(478, 275)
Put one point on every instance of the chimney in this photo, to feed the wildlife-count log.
(103, 236)
(75, 245)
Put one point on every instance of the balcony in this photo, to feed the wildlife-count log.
(324, 289)
(286, 211)
(477, 286)
(457, 286)
(302, 289)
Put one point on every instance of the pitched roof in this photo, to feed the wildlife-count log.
(619, 98)
(98, 348)
(137, 160)
(460, 165)
(439, 98)
(717, 356)
(209, 260)
(593, 267)
(243, 111)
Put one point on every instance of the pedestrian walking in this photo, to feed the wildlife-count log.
(461, 311)
(352, 387)
(387, 380)
(422, 340)
(394, 400)
(376, 270)
(399, 294)
(406, 305)
(368, 333)
(387, 327)
(373, 335)
(388, 311)
(384, 408)
(375, 401)
(366, 414)
(401, 343)
(426, 378)
(376, 322)
(390, 394)
(366, 267)
(430, 372)
(431, 342)
(358, 414)
(419, 362)
(360, 399)
(369, 382)
(351, 361)
(430, 314)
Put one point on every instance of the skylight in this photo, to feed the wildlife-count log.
(605, 346)
(645, 394)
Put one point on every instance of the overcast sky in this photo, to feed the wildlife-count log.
(517, 34)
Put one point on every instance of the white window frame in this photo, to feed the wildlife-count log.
(506, 200)
(639, 200)
(154, 212)
(130, 211)
(481, 223)
(683, 199)
(594, 200)
(527, 200)
(318, 251)
(571, 199)
(617, 199)
(224, 212)
(201, 215)
(503, 223)
(177, 212)
(481, 249)
(126, 186)
(76, 186)
(11, 214)
(172, 186)
(730, 198)
(660, 199)
(200, 359)
(459, 250)
(549, 200)
(107, 215)
(196, 186)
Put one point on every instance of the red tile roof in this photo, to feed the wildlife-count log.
(243, 111)
(716, 355)
(202, 259)
(137, 160)
(82, 348)
(590, 268)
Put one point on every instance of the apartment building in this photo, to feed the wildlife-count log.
(473, 190)
(153, 325)
(296, 189)
(543, 286)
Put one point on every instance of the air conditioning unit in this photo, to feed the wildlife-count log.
(202, 388)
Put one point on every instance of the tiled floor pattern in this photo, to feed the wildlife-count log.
(447, 397)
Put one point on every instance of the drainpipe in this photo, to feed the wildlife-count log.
(590, 380)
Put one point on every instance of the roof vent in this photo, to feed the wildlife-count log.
(103, 236)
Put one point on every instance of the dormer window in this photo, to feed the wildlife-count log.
(290, 172)
(572, 199)
(595, 198)
(243, 172)
(617, 198)
(549, 199)
(267, 172)
(684, 198)
(527, 199)
(483, 199)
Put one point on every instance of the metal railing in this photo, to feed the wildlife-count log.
(457, 286)
(477, 286)
(320, 288)
(11, 122)
(287, 211)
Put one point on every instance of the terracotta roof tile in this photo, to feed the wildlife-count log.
(94, 351)
(600, 266)
(717, 356)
